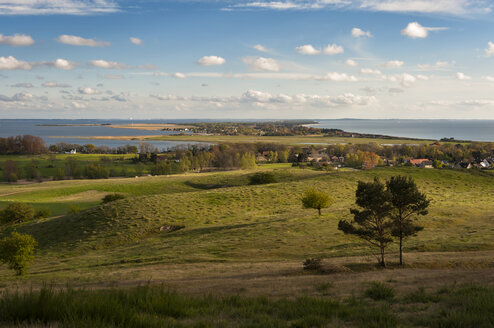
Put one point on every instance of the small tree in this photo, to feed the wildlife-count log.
(408, 202)
(316, 199)
(17, 212)
(371, 223)
(17, 251)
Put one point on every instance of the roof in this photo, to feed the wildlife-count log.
(418, 161)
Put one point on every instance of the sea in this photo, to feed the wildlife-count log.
(53, 131)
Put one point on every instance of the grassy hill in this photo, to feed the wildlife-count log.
(226, 219)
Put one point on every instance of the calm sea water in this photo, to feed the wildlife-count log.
(477, 130)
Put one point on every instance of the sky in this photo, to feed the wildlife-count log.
(247, 59)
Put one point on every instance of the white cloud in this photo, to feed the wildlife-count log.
(57, 7)
(179, 75)
(11, 63)
(489, 51)
(307, 49)
(337, 77)
(393, 64)
(351, 63)
(88, 91)
(414, 30)
(370, 71)
(357, 33)
(452, 7)
(462, 76)
(16, 40)
(333, 49)
(488, 78)
(54, 84)
(135, 41)
(263, 64)
(260, 48)
(261, 97)
(100, 63)
(211, 61)
(78, 41)
(63, 64)
(405, 79)
(439, 65)
(78, 105)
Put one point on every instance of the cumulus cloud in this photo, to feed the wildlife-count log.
(179, 75)
(22, 85)
(57, 7)
(333, 49)
(11, 63)
(78, 105)
(462, 76)
(100, 63)
(262, 64)
(88, 91)
(439, 65)
(261, 97)
(406, 80)
(135, 41)
(211, 61)
(307, 49)
(357, 33)
(16, 40)
(488, 78)
(489, 51)
(370, 71)
(351, 63)
(260, 48)
(452, 7)
(21, 97)
(63, 64)
(54, 84)
(393, 64)
(414, 30)
(74, 40)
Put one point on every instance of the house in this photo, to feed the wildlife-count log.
(418, 162)
(261, 158)
(463, 165)
(426, 165)
(485, 164)
(72, 152)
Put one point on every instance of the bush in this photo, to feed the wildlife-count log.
(42, 213)
(263, 178)
(112, 197)
(17, 251)
(74, 209)
(17, 212)
(12, 177)
(313, 264)
(379, 291)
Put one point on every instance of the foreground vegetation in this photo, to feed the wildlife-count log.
(147, 306)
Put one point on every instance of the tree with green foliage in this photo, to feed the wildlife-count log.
(16, 212)
(17, 251)
(316, 199)
(372, 221)
(10, 171)
(247, 161)
(407, 202)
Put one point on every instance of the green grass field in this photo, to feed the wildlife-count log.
(247, 239)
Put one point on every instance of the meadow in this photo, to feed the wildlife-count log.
(222, 236)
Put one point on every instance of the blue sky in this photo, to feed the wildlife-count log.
(247, 59)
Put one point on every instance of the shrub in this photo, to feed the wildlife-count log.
(112, 197)
(12, 177)
(263, 178)
(17, 251)
(42, 213)
(313, 264)
(74, 209)
(17, 212)
(379, 291)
